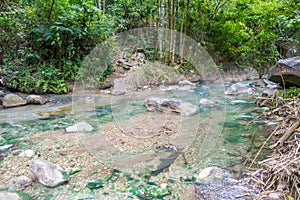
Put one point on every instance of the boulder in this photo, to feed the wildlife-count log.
(80, 127)
(238, 75)
(9, 196)
(169, 105)
(210, 173)
(47, 173)
(286, 71)
(36, 99)
(121, 86)
(237, 89)
(13, 100)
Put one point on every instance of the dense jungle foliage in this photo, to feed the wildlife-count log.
(43, 43)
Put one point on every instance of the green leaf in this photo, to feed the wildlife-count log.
(75, 170)
(144, 175)
(94, 185)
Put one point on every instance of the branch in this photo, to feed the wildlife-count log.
(289, 132)
(50, 12)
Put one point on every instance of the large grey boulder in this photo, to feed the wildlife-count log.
(169, 105)
(286, 71)
(36, 99)
(9, 196)
(47, 173)
(13, 100)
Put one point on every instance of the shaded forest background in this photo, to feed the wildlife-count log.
(43, 43)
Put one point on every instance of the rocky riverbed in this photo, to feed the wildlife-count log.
(154, 154)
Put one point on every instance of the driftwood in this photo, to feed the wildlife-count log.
(286, 136)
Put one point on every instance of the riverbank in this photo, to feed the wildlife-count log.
(278, 174)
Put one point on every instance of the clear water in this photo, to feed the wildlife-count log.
(230, 116)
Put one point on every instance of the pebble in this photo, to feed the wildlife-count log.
(80, 127)
(6, 148)
(23, 180)
(27, 153)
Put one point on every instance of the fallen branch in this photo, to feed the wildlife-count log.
(286, 136)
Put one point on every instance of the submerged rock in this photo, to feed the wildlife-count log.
(13, 100)
(36, 99)
(169, 105)
(47, 173)
(80, 127)
(286, 71)
(9, 196)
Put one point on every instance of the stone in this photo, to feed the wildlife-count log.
(186, 82)
(105, 86)
(9, 196)
(169, 105)
(205, 101)
(286, 72)
(80, 127)
(2, 93)
(27, 153)
(225, 188)
(13, 100)
(47, 173)
(165, 88)
(258, 83)
(210, 172)
(5, 148)
(23, 181)
(36, 99)
(275, 196)
(237, 89)
(125, 84)
(238, 75)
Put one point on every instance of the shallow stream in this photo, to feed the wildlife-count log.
(219, 135)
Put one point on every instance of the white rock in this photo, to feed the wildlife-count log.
(9, 196)
(237, 89)
(205, 101)
(186, 82)
(6, 147)
(27, 153)
(169, 105)
(168, 88)
(275, 195)
(47, 173)
(80, 127)
(209, 172)
(23, 180)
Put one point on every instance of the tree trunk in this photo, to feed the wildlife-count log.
(161, 13)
